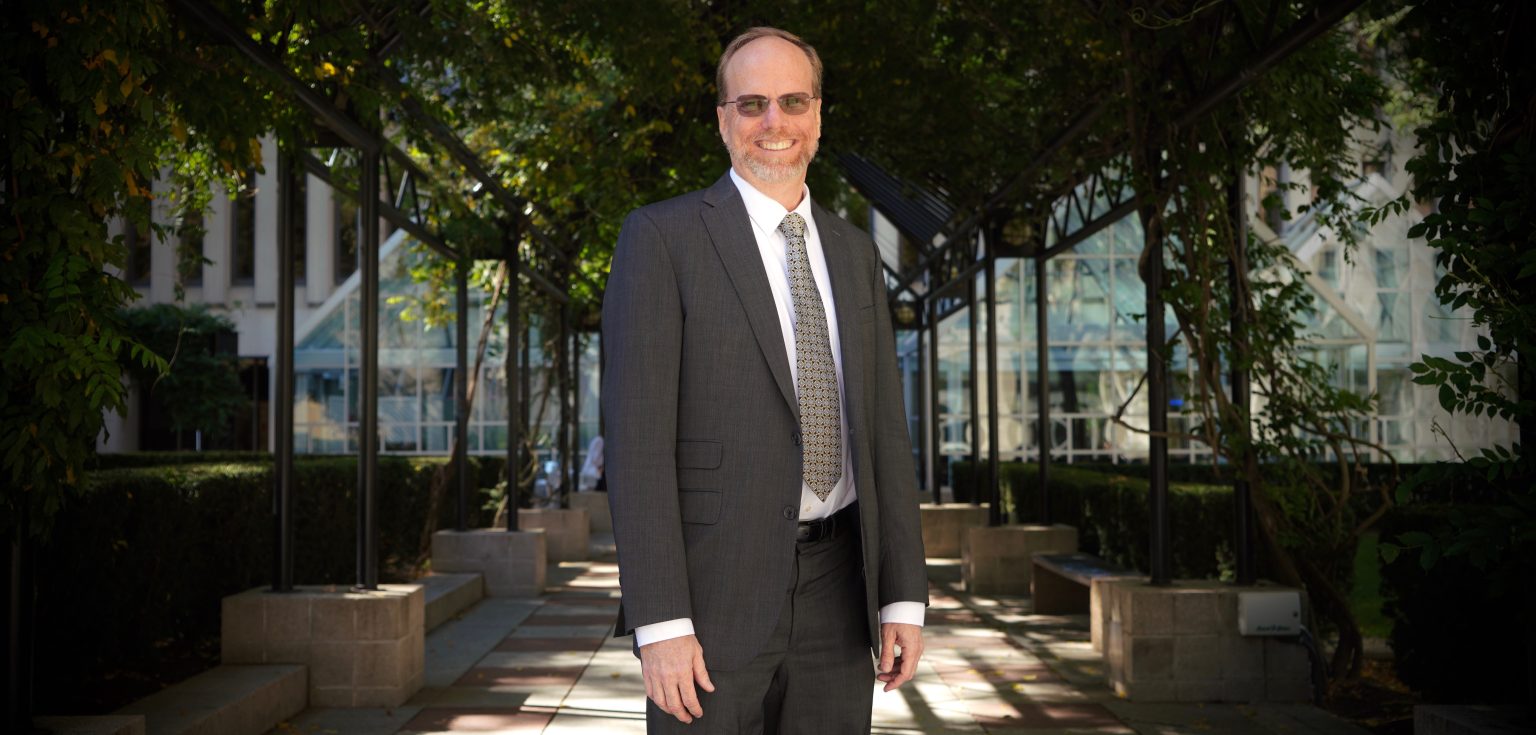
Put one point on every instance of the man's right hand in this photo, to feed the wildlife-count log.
(671, 668)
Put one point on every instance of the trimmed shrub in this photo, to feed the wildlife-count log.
(1109, 510)
(135, 570)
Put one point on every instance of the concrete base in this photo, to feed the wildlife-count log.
(596, 506)
(450, 594)
(363, 649)
(1450, 719)
(944, 526)
(225, 700)
(1098, 611)
(88, 725)
(566, 530)
(512, 563)
(996, 560)
(1180, 644)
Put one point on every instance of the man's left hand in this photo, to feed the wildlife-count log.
(897, 669)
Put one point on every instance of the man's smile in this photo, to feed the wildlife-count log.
(775, 145)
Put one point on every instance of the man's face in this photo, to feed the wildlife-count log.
(774, 148)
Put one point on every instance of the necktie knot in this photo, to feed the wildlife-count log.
(793, 226)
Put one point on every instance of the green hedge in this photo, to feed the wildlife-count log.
(137, 567)
(1109, 510)
(124, 460)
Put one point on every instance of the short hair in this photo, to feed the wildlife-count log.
(753, 34)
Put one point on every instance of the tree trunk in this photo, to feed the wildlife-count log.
(444, 473)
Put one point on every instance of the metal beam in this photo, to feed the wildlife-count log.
(338, 121)
(368, 380)
(282, 496)
(461, 389)
(1043, 436)
(404, 221)
(1283, 46)
(1076, 127)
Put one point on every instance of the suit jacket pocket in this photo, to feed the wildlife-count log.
(866, 313)
(699, 506)
(699, 455)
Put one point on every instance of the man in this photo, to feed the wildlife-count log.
(759, 469)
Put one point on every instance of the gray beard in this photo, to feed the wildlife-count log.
(775, 173)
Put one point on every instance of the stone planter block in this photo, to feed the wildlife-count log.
(1180, 643)
(513, 563)
(996, 560)
(362, 648)
(944, 526)
(566, 530)
(596, 506)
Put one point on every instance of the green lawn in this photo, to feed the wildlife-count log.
(1365, 598)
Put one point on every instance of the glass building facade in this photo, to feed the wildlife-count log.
(418, 373)
(1376, 314)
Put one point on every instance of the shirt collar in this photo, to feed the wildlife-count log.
(764, 211)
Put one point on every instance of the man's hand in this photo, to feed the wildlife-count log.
(671, 667)
(895, 669)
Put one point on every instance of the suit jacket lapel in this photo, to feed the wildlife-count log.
(849, 298)
(726, 218)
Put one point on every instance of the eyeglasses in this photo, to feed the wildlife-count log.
(756, 105)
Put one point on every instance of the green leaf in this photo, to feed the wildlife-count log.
(1448, 398)
(1388, 551)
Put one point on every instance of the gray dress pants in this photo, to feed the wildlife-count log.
(816, 674)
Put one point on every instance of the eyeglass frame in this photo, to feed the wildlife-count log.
(771, 100)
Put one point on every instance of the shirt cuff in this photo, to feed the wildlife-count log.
(910, 613)
(668, 629)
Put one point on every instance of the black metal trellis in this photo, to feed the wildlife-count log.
(1084, 207)
(407, 209)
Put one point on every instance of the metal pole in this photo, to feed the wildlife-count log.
(1043, 437)
(1157, 413)
(576, 445)
(562, 364)
(994, 492)
(509, 254)
(935, 429)
(368, 379)
(282, 580)
(975, 395)
(1241, 394)
(461, 387)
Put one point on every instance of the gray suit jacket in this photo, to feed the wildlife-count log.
(702, 430)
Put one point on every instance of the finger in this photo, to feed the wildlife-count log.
(908, 665)
(674, 705)
(690, 699)
(887, 649)
(701, 674)
(890, 678)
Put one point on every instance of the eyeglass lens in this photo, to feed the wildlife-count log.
(755, 105)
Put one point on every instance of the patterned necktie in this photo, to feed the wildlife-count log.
(820, 413)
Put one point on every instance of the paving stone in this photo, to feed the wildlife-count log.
(435, 720)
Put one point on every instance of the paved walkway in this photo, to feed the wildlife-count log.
(551, 665)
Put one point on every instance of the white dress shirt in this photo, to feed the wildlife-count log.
(766, 214)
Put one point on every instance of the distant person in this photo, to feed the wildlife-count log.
(591, 479)
(759, 469)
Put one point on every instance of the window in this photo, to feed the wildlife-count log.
(137, 240)
(190, 257)
(244, 239)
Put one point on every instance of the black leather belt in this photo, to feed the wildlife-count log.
(825, 528)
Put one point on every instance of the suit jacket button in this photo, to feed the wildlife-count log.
(796, 437)
(789, 512)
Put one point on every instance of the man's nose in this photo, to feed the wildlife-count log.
(774, 114)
